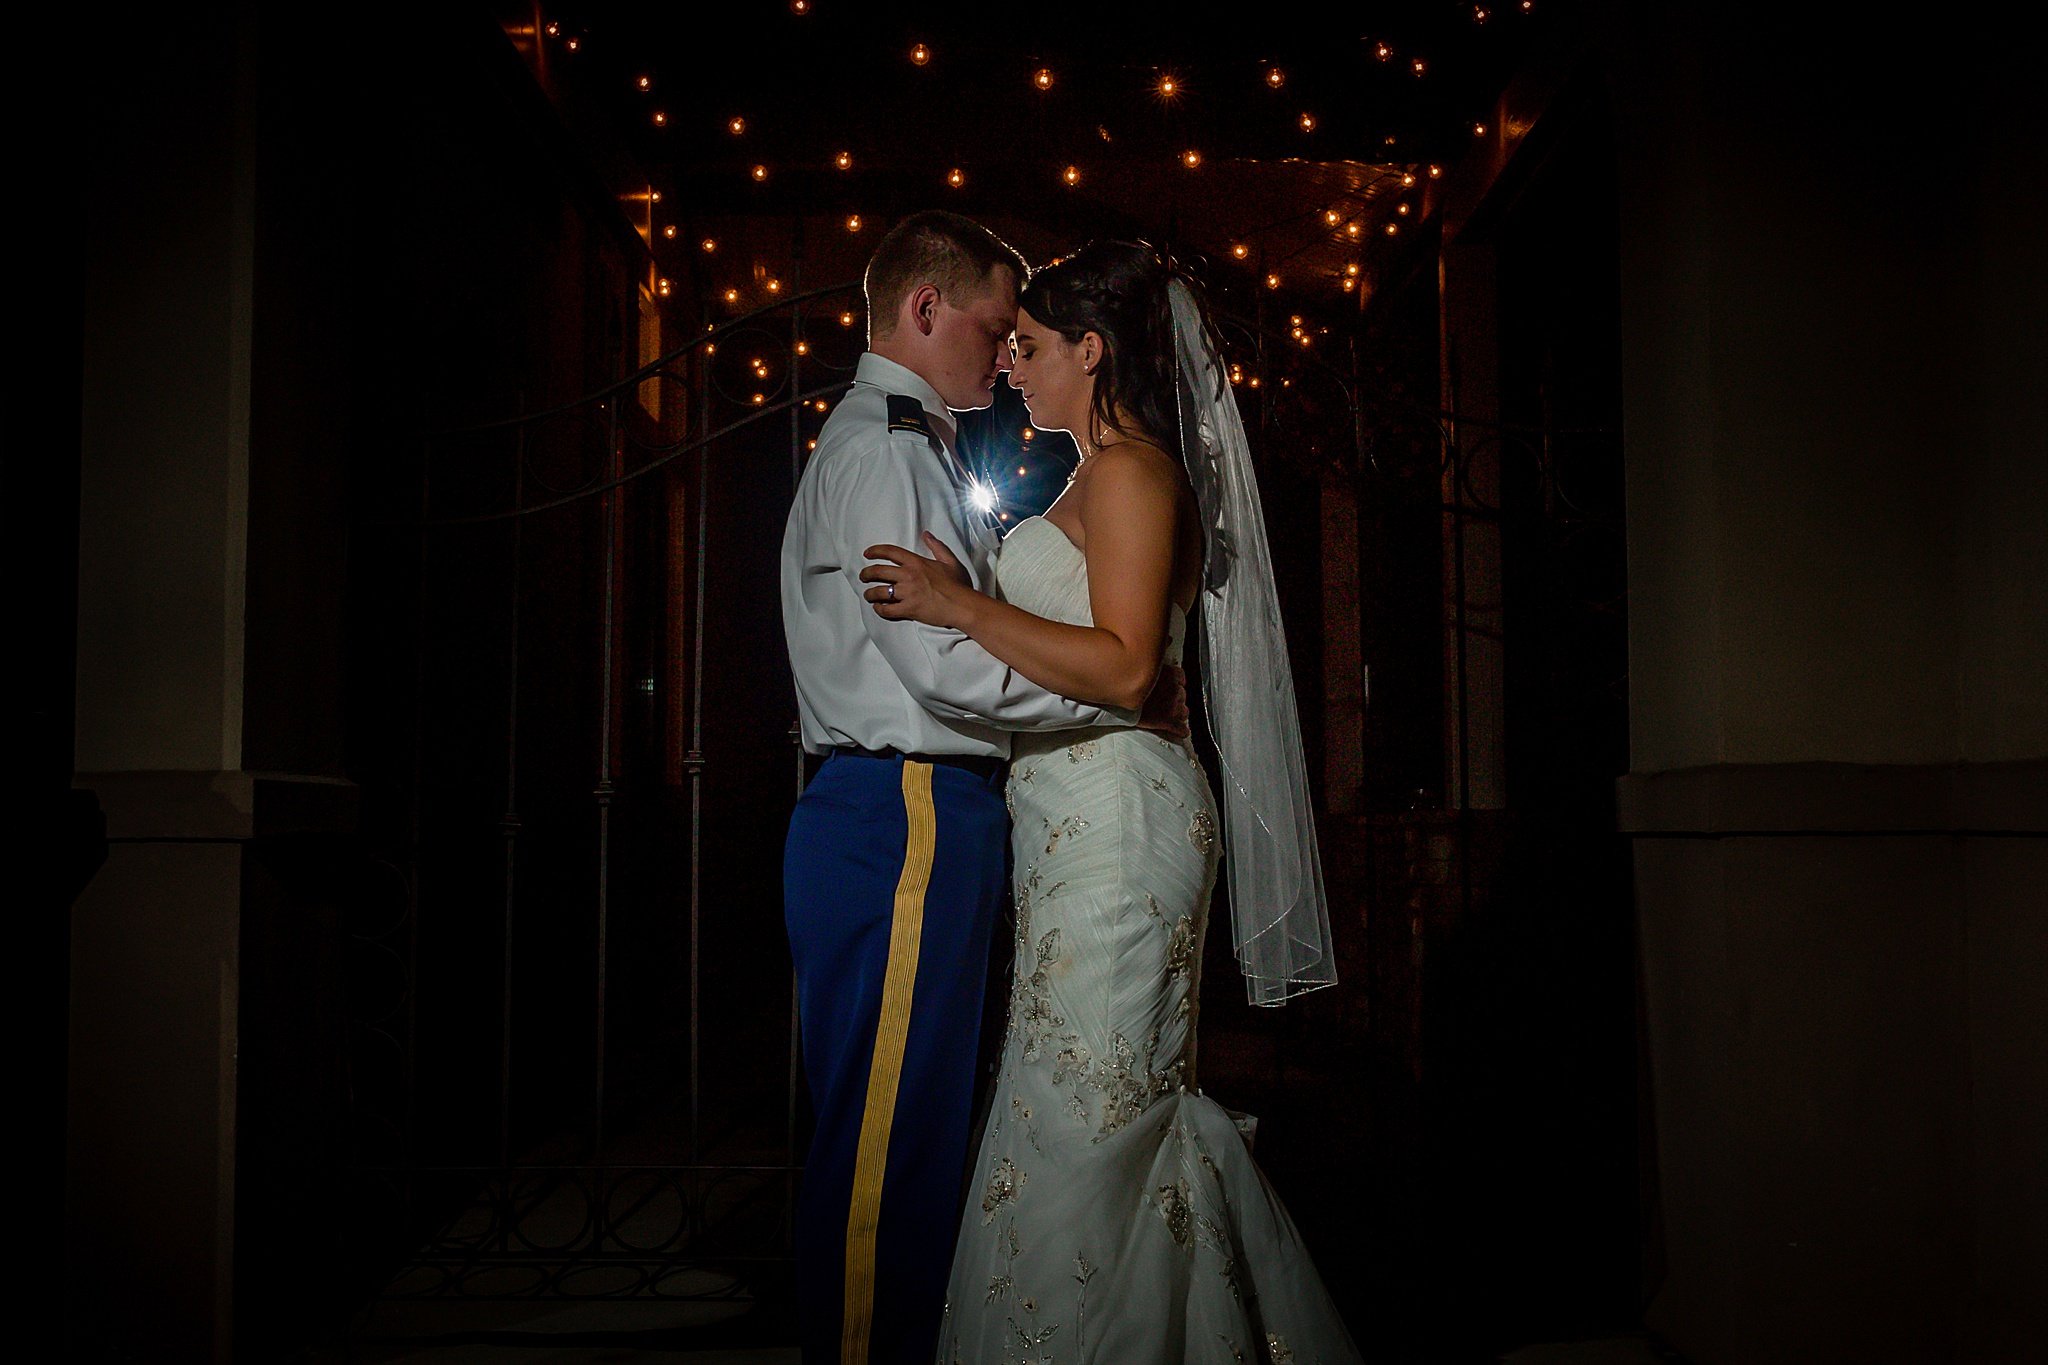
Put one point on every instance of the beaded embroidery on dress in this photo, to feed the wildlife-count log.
(1116, 1215)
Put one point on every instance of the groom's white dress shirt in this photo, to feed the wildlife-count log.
(863, 680)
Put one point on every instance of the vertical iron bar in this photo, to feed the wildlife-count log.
(796, 474)
(604, 791)
(416, 816)
(694, 761)
(508, 824)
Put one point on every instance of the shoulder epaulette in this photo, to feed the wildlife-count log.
(907, 414)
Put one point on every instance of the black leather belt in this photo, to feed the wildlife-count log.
(987, 769)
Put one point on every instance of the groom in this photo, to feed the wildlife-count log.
(897, 855)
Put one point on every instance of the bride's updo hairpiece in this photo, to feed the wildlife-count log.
(1118, 290)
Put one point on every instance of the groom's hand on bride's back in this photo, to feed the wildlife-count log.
(1166, 710)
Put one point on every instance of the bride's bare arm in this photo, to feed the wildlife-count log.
(1128, 521)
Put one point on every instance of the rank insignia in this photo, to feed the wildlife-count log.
(907, 414)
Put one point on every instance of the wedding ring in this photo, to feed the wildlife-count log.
(892, 592)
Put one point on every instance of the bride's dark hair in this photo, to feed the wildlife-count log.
(1117, 290)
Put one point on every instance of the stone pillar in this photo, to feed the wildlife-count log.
(1838, 574)
(194, 666)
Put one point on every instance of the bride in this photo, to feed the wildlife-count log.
(1116, 1214)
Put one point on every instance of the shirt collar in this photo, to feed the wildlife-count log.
(890, 377)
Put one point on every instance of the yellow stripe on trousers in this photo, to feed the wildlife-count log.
(906, 930)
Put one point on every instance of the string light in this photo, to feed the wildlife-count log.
(645, 82)
(1436, 172)
(1351, 269)
(1029, 433)
(1272, 281)
(1308, 123)
(1169, 86)
(853, 222)
(1332, 217)
(709, 244)
(1393, 228)
(760, 172)
(820, 405)
(775, 286)
(919, 54)
(1408, 178)
(1240, 250)
(803, 348)
(814, 440)
(1042, 78)
(654, 196)
(1347, 282)
(554, 30)
(1275, 77)
(1479, 130)
(846, 319)
(1401, 209)
(1353, 229)
(1022, 471)
(661, 288)
(1384, 51)
(660, 119)
(573, 44)
(1480, 14)
(1072, 175)
(736, 126)
(800, 7)
(1528, 6)
(732, 296)
(1191, 158)
(1254, 381)
(760, 398)
(1418, 66)
(844, 161)
(955, 179)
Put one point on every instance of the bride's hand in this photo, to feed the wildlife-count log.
(910, 587)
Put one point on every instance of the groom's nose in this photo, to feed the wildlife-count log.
(1003, 361)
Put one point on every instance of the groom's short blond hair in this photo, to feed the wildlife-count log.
(951, 252)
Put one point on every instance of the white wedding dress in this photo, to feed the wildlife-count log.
(1116, 1215)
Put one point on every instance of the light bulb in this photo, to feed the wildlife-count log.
(1393, 228)
(1072, 175)
(1168, 87)
(736, 126)
(1240, 250)
(760, 172)
(846, 319)
(803, 348)
(1275, 77)
(645, 83)
(920, 54)
(853, 222)
(1408, 178)
(1401, 209)
(1272, 281)
(709, 244)
(844, 161)
(1332, 217)
(1383, 51)
(1308, 123)
(955, 179)
(1436, 172)
(1042, 78)
(669, 232)
(775, 286)
(1191, 158)
(1418, 66)
(661, 286)
(660, 119)
(732, 296)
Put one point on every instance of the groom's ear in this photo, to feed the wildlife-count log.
(923, 307)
